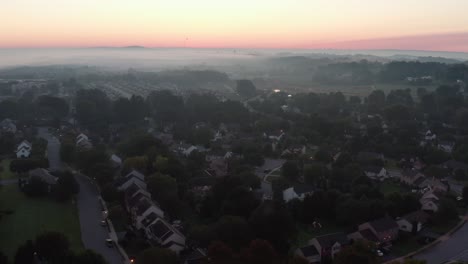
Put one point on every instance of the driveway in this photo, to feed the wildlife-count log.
(53, 148)
(93, 234)
(454, 247)
(9, 182)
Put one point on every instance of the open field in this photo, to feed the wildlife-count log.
(29, 217)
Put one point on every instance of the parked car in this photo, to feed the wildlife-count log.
(109, 243)
(103, 223)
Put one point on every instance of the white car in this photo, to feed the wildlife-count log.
(379, 253)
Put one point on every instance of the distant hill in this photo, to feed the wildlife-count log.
(134, 47)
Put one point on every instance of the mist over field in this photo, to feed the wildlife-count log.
(160, 58)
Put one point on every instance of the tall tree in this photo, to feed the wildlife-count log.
(157, 255)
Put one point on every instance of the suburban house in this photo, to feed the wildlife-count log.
(166, 138)
(413, 222)
(44, 176)
(82, 141)
(7, 125)
(429, 136)
(276, 136)
(309, 253)
(412, 177)
(24, 149)
(165, 235)
(376, 172)
(147, 215)
(329, 245)
(299, 191)
(196, 256)
(385, 229)
(446, 146)
(218, 167)
(187, 149)
(294, 150)
(429, 201)
(134, 177)
(434, 184)
(142, 209)
(116, 161)
(364, 234)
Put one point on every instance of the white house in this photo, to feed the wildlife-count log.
(24, 149)
(7, 125)
(166, 235)
(134, 177)
(429, 202)
(116, 160)
(446, 146)
(277, 136)
(82, 141)
(144, 208)
(375, 172)
(413, 222)
(297, 192)
(430, 136)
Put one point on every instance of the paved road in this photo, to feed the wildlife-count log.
(53, 148)
(93, 234)
(454, 247)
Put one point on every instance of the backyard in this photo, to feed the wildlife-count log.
(5, 172)
(24, 218)
(388, 186)
(307, 232)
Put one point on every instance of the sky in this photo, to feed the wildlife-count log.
(440, 25)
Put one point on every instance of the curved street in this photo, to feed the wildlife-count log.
(453, 247)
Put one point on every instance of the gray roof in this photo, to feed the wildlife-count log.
(416, 216)
(329, 240)
(383, 224)
(44, 175)
(309, 251)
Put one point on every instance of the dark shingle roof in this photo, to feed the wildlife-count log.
(131, 190)
(149, 219)
(309, 251)
(416, 216)
(134, 201)
(383, 224)
(161, 230)
(327, 241)
(419, 181)
(368, 235)
(142, 206)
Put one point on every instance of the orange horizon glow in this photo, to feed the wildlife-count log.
(296, 24)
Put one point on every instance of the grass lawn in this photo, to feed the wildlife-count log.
(6, 173)
(405, 245)
(388, 187)
(442, 229)
(32, 216)
(305, 233)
